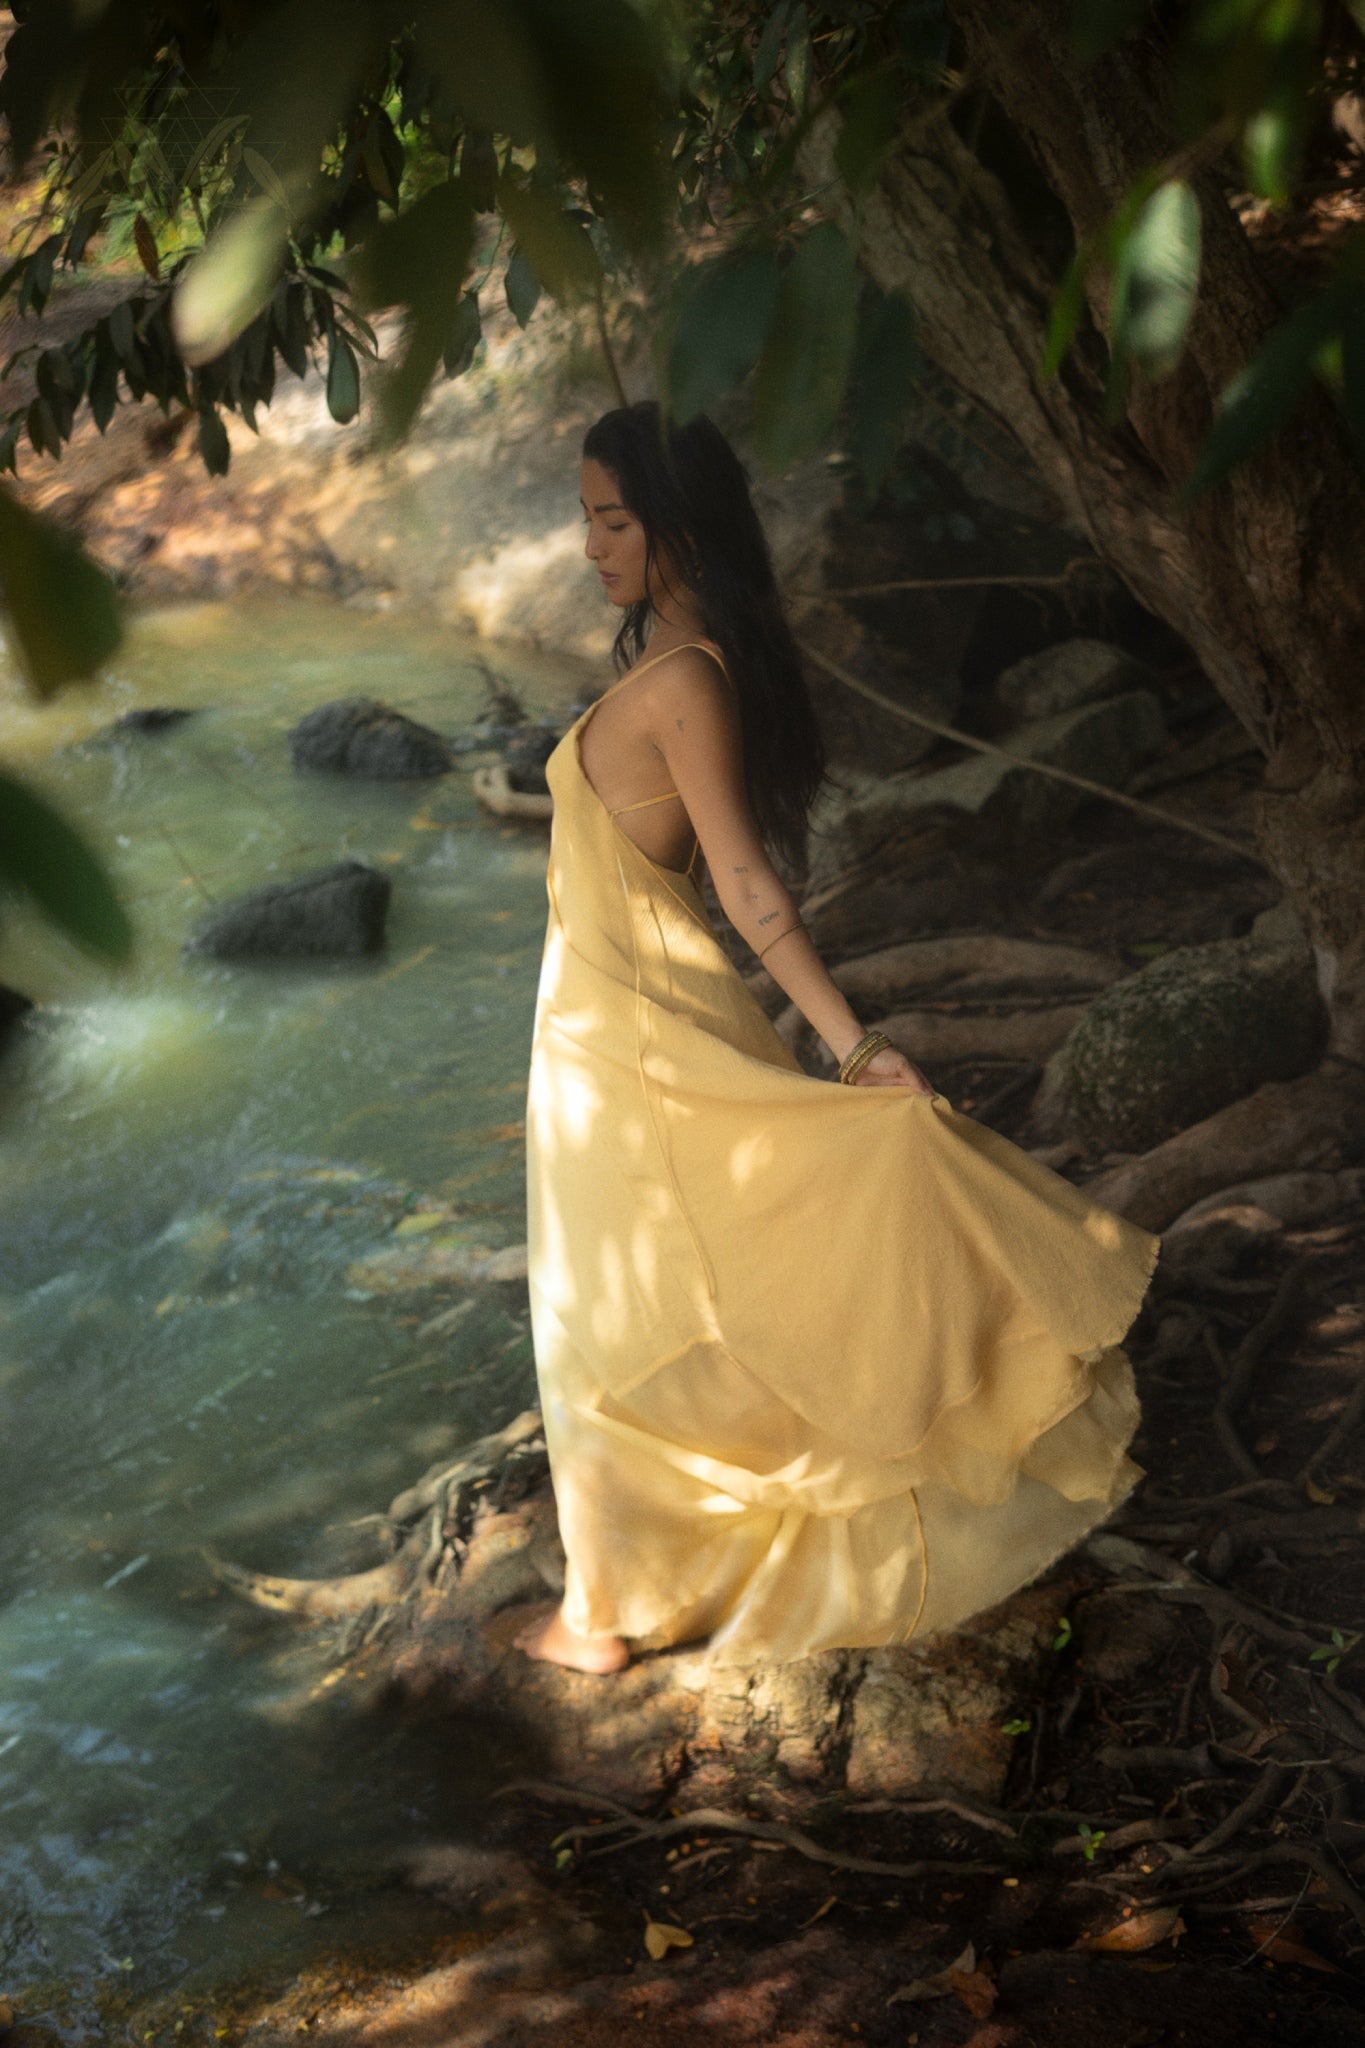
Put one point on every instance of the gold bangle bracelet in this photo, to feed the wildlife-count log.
(799, 926)
(867, 1048)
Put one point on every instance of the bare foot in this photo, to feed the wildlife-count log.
(554, 1642)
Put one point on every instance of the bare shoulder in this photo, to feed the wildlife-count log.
(692, 685)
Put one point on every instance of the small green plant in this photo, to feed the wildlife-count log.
(1090, 1840)
(1332, 1653)
(1063, 1635)
(1020, 1727)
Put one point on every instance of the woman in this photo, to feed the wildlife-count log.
(817, 1368)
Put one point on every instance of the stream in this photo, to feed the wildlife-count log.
(196, 1159)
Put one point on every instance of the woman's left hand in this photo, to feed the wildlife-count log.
(891, 1069)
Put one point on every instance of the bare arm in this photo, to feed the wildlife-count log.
(696, 729)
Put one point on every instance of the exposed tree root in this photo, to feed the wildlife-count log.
(629, 1830)
(1316, 1120)
(430, 1523)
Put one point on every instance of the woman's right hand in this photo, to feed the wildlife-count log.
(891, 1069)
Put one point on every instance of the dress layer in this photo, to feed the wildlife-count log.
(819, 1366)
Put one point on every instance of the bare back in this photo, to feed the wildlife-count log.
(620, 755)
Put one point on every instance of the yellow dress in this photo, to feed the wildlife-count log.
(819, 1366)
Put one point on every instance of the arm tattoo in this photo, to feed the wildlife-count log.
(768, 918)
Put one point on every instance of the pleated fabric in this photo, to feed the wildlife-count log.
(819, 1366)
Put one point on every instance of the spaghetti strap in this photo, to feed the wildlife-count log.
(636, 674)
(645, 801)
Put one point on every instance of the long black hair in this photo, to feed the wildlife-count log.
(688, 490)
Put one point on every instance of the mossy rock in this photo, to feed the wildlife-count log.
(1197, 1029)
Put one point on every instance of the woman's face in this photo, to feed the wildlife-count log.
(616, 540)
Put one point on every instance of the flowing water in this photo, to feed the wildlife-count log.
(197, 1161)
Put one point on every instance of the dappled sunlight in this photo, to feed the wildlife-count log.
(198, 1158)
(502, 595)
(825, 1327)
(748, 1157)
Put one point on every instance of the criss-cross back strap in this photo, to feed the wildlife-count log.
(664, 796)
(645, 802)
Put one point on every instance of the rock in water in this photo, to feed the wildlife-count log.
(357, 736)
(13, 1007)
(336, 910)
(151, 718)
(526, 756)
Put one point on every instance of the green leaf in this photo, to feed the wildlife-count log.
(291, 324)
(63, 612)
(104, 383)
(557, 247)
(769, 43)
(804, 365)
(1263, 395)
(122, 331)
(871, 118)
(1067, 310)
(885, 360)
(1020, 1726)
(465, 337)
(417, 260)
(1063, 1635)
(1156, 278)
(522, 286)
(479, 169)
(798, 62)
(721, 318)
(42, 428)
(1272, 148)
(43, 854)
(343, 379)
(214, 445)
(37, 277)
(224, 287)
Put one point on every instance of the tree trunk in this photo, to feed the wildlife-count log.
(1262, 576)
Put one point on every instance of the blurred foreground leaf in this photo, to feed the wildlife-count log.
(1261, 397)
(884, 363)
(417, 261)
(62, 610)
(805, 360)
(41, 853)
(723, 314)
(228, 283)
(1156, 278)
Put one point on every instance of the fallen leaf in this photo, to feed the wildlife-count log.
(977, 1991)
(1319, 1495)
(1280, 1942)
(1232, 1680)
(941, 1984)
(1139, 1931)
(662, 1935)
